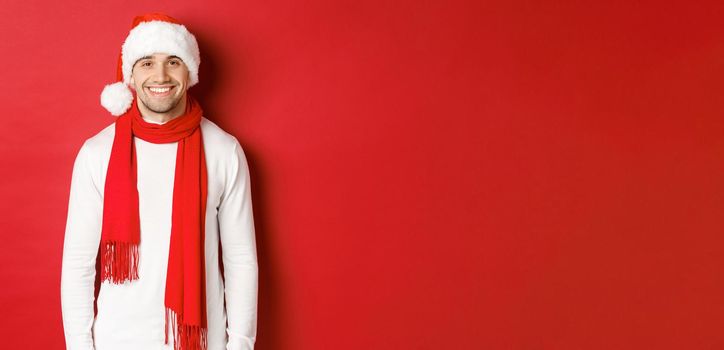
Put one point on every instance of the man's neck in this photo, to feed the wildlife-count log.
(162, 118)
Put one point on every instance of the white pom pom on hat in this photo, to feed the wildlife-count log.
(116, 98)
(151, 33)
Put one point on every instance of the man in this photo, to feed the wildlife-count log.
(156, 197)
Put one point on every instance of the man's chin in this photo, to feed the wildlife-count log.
(160, 111)
(160, 108)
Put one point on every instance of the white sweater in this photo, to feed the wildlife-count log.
(131, 315)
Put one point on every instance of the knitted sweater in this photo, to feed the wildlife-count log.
(131, 315)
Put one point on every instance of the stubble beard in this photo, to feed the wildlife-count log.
(160, 106)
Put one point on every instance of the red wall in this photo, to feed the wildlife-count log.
(426, 174)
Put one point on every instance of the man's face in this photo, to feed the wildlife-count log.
(160, 81)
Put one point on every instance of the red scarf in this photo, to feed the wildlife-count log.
(185, 298)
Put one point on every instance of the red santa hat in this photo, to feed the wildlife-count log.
(151, 33)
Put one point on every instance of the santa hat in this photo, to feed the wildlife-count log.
(151, 33)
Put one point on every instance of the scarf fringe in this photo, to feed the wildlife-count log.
(186, 337)
(120, 261)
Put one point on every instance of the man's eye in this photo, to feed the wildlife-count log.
(174, 62)
(146, 64)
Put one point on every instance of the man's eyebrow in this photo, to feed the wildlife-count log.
(150, 57)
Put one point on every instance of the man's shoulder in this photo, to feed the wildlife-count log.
(216, 137)
(102, 140)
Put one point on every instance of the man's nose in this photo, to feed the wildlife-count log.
(160, 73)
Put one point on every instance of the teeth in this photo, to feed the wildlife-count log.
(159, 90)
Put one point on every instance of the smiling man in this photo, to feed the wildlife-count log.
(160, 200)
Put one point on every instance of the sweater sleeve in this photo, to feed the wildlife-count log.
(80, 247)
(238, 245)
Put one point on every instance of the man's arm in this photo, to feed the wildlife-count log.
(238, 245)
(82, 236)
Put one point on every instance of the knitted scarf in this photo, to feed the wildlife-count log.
(185, 298)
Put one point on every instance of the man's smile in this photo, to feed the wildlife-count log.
(160, 91)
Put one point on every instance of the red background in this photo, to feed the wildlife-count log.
(426, 174)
